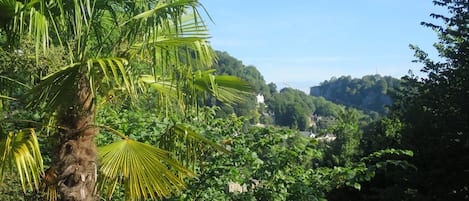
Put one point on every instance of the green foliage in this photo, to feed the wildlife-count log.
(139, 167)
(370, 93)
(382, 134)
(293, 108)
(228, 65)
(434, 110)
(275, 164)
(20, 152)
(345, 148)
(107, 52)
(21, 125)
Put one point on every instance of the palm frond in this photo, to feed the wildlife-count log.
(167, 33)
(112, 71)
(142, 168)
(7, 9)
(26, 18)
(186, 144)
(228, 89)
(160, 84)
(14, 81)
(169, 95)
(56, 88)
(21, 150)
(10, 80)
(7, 97)
(164, 5)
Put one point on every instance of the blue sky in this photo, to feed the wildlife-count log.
(301, 43)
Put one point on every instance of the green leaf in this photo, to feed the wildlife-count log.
(182, 129)
(21, 150)
(7, 97)
(163, 5)
(228, 89)
(142, 168)
(357, 186)
(117, 67)
(55, 89)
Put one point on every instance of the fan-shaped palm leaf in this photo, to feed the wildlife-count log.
(7, 9)
(168, 35)
(20, 18)
(142, 168)
(21, 150)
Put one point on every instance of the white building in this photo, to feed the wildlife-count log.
(260, 98)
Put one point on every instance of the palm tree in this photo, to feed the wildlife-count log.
(109, 47)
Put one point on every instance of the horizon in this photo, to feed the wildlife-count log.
(302, 44)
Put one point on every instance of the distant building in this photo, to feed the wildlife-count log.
(324, 138)
(260, 98)
(327, 138)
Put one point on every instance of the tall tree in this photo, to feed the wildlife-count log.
(345, 148)
(435, 110)
(110, 47)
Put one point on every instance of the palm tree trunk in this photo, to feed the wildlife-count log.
(76, 159)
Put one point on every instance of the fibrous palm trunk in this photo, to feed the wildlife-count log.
(75, 160)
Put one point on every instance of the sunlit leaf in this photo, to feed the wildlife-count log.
(225, 88)
(144, 170)
(113, 72)
(7, 97)
(20, 151)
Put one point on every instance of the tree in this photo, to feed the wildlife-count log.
(434, 110)
(110, 48)
(345, 148)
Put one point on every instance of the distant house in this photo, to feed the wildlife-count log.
(325, 138)
(234, 187)
(260, 98)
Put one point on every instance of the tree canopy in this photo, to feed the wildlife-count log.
(370, 93)
(434, 109)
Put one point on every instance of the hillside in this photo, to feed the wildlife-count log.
(228, 65)
(369, 93)
(295, 109)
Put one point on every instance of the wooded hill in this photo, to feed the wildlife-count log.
(369, 93)
(295, 109)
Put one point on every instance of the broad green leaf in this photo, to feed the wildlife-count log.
(141, 168)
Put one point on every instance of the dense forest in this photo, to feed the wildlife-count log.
(93, 109)
(370, 93)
